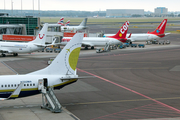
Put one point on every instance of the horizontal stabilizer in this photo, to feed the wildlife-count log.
(83, 77)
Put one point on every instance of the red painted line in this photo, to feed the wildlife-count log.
(172, 108)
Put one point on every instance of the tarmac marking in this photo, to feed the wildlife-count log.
(123, 62)
(120, 101)
(145, 68)
(105, 55)
(163, 104)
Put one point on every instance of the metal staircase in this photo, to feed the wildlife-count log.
(49, 100)
(107, 47)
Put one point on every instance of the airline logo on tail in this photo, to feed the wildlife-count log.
(61, 21)
(40, 36)
(67, 23)
(72, 55)
(121, 34)
(124, 28)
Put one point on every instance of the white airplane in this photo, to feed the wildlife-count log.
(155, 35)
(100, 41)
(61, 72)
(76, 28)
(29, 47)
(81, 26)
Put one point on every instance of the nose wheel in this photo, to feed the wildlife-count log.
(15, 54)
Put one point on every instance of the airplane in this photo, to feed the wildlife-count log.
(100, 41)
(29, 47)
(155, 35)
(81, 26)
(61, 72)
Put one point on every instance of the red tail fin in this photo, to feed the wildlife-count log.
(161, 28)
(121, 34)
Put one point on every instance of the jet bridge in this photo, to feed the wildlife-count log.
(49, 99)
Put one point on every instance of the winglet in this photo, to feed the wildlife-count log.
(16, 92)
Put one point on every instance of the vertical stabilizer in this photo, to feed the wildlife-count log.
(61, 21)
(83, 23)
(66, 60)
(41, 38)
(160, 29)
(67, 23)
(121, 34)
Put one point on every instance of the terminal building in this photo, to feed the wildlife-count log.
(124, 12)
(160, 11)
(28, 26)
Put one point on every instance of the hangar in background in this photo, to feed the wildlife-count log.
(124, 12)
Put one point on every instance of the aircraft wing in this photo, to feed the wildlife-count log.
(16, 92)
(40, 45)
(87, 44)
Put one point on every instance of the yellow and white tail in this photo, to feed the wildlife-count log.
(66, 60)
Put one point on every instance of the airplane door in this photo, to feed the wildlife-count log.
(40, 84)
(45, 83)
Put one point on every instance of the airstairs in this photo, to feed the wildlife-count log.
(49, 100)
(107, 47)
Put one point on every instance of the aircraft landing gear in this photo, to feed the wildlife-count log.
(92, 47)
(15, 54)
(4, 55)
(86, 48)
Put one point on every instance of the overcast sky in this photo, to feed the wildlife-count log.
(91, 5)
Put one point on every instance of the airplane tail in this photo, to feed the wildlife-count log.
(121, 34)
(160, 29)
(66, 61)
(61, 21)
(83, 23)
(41, 38)
(67, 23)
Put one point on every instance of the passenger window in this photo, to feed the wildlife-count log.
(14, 85)
(24, 84)
(5, 85)
(11, 85)
(8, 85)
(30, 84)
(1, 85)
(33, 84)
(27, 84)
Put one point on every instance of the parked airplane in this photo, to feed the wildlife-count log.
(20, 47)
(155, 35)
(80, 27)
(61, 72)
(101, 42)
(70, 28)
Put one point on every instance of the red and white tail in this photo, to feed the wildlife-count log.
(61, 21)
(160, 29)
(121, 34)
(67, 23)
